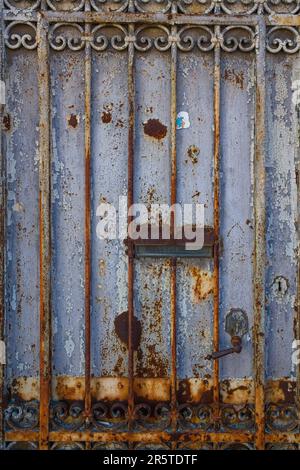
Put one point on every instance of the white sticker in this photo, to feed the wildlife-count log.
(2, 353)
(2, 92)
(183, 120)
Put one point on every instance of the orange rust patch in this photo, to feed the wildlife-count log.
(193, 153)
(202, 286)
(106, 117)
(73, 120)
(154, 128)
(281, 391)
(237, 391)
(236, 78)
(195, 391)
(121, 327)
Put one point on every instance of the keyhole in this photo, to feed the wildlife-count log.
(280, 286)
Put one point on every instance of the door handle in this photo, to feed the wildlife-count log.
(236, 342)
(236, 325)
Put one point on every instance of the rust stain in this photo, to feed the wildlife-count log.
(7, 122)
(236, 78)
(195, 391)
(202, 286)
(106, 117)
(193, 153)
(281, 391)
(154, 128)
(121, 327)
(237, 391)
(73, 120)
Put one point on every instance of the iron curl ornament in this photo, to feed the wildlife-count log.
(199, 7)
(116, 37)
(20, 34)
(22, 416)
(67, 35)
(152, 417)
(238, 38)
(62, 5)
(283, 39)
(69, 417)
(195, 417)
(160, 41)
(116, 6)
(203, 38)
(107, 417)
(282, 418)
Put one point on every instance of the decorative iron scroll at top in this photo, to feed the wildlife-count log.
(116, 37)
(199, 7)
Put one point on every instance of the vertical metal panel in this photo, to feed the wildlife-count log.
(68, 221)
(281, 193)
(109, 182)
(237, 134)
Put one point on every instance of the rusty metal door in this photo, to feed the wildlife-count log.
(107, 344)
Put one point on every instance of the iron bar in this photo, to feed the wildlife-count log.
(44, 220)
(216, 160)
(147, 18)
(259, 240)
(173, 154)
(87, 231)
(152, 437)
(130, 201)
(2, 225)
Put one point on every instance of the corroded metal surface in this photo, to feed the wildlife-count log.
(105, 348)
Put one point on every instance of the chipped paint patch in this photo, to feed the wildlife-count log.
(183, 120)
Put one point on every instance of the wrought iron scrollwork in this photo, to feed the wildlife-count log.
(110, 5)
(162, 6)
(149, 417)
(203, 38)
(283, 418)
(73, 5)
(200, 7)
(109, 417)
(20, 34)
(65, 35)
(195, 417)
(22, 416)
(69, 417)
(161, 40)
(237, 417)
(283, 39)
(238, 38)
(118, 39)
(22, 4)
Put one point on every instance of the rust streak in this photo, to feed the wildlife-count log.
(44, 223)
(87, 223)
(217, 78)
